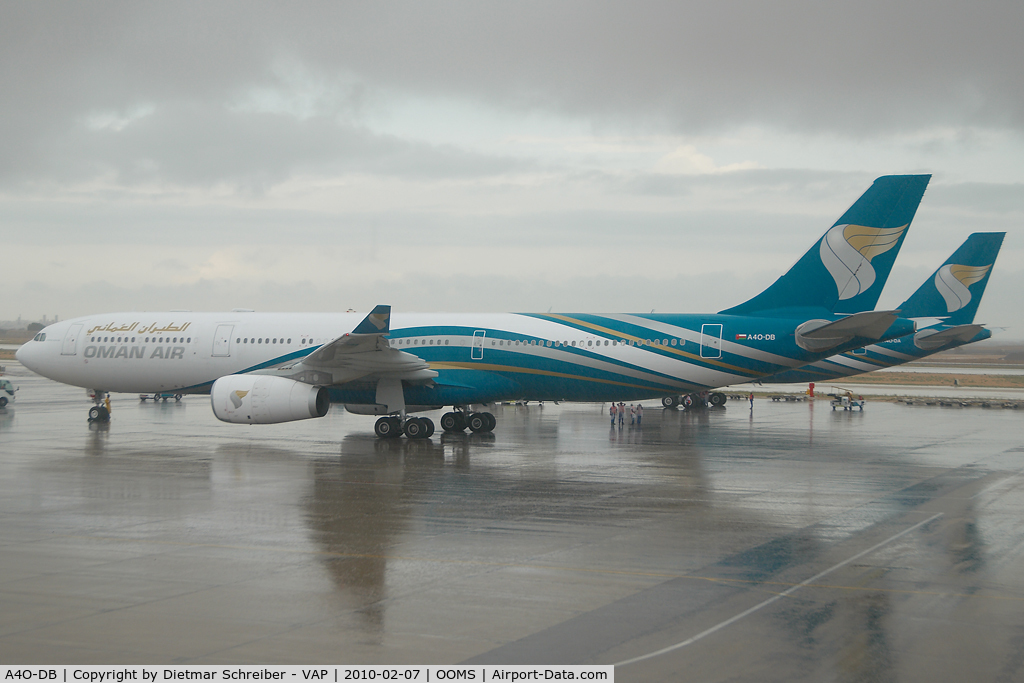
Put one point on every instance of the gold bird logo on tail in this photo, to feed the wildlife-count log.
(953, 282)
(847, 250)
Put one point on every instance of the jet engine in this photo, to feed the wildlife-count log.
(263, 399)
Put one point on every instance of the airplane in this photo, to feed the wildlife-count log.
(265, 368)
(952, 294)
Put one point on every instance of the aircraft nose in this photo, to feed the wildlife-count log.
(24, 354)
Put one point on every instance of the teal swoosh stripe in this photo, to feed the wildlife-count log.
(435, 353)
(728, 362)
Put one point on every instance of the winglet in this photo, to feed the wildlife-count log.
(377, 322)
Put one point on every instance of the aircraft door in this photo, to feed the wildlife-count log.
(711, 340)
(478, 345)
(71, 340)
(222, 340)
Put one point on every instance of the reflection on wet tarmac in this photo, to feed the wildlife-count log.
(168, 536)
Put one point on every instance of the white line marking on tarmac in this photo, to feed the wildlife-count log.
(790, 591)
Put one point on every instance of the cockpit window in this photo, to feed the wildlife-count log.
(40, 337)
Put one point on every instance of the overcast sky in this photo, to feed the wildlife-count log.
(574, 156)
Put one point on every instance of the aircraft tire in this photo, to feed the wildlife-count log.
(717, 399)
(491, 422)
(3, 401)
(414, 429)
(387, 428)
(670, 401)
(429, 424)
(177, 397)
(452, 422)
(688, 401)
(99, 414)
(477, 422)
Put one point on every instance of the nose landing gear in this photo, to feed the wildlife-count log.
(100, 412)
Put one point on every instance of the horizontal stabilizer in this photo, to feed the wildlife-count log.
(821, 335)
(931, 339)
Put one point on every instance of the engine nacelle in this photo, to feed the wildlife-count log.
(263, 399)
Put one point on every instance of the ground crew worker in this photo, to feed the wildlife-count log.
(612, 411)
(639, 414)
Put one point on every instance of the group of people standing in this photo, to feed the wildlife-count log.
(617, 411)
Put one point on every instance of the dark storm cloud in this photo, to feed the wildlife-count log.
(851, 68)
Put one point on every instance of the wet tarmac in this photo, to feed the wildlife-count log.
(822, 389)
(785, 543)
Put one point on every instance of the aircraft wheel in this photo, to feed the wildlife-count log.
(477, 422)
(717, 399)
(418, 428)
(688, 401)
(387, 428)
(429, 425)
(3, 401)
(491, 422)
(177, 397)
(452, 422)
(670, 401)
(99, 414)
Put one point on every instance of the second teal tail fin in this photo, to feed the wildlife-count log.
(845, 270)
(954, 291)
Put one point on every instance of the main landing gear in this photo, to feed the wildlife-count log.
(459, 420)
(423, 428)
(691, 401)
(414, 428)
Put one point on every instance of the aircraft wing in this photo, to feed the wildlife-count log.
(362, 354)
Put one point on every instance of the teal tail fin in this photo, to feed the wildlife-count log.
(954, 291)
(845, 270)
